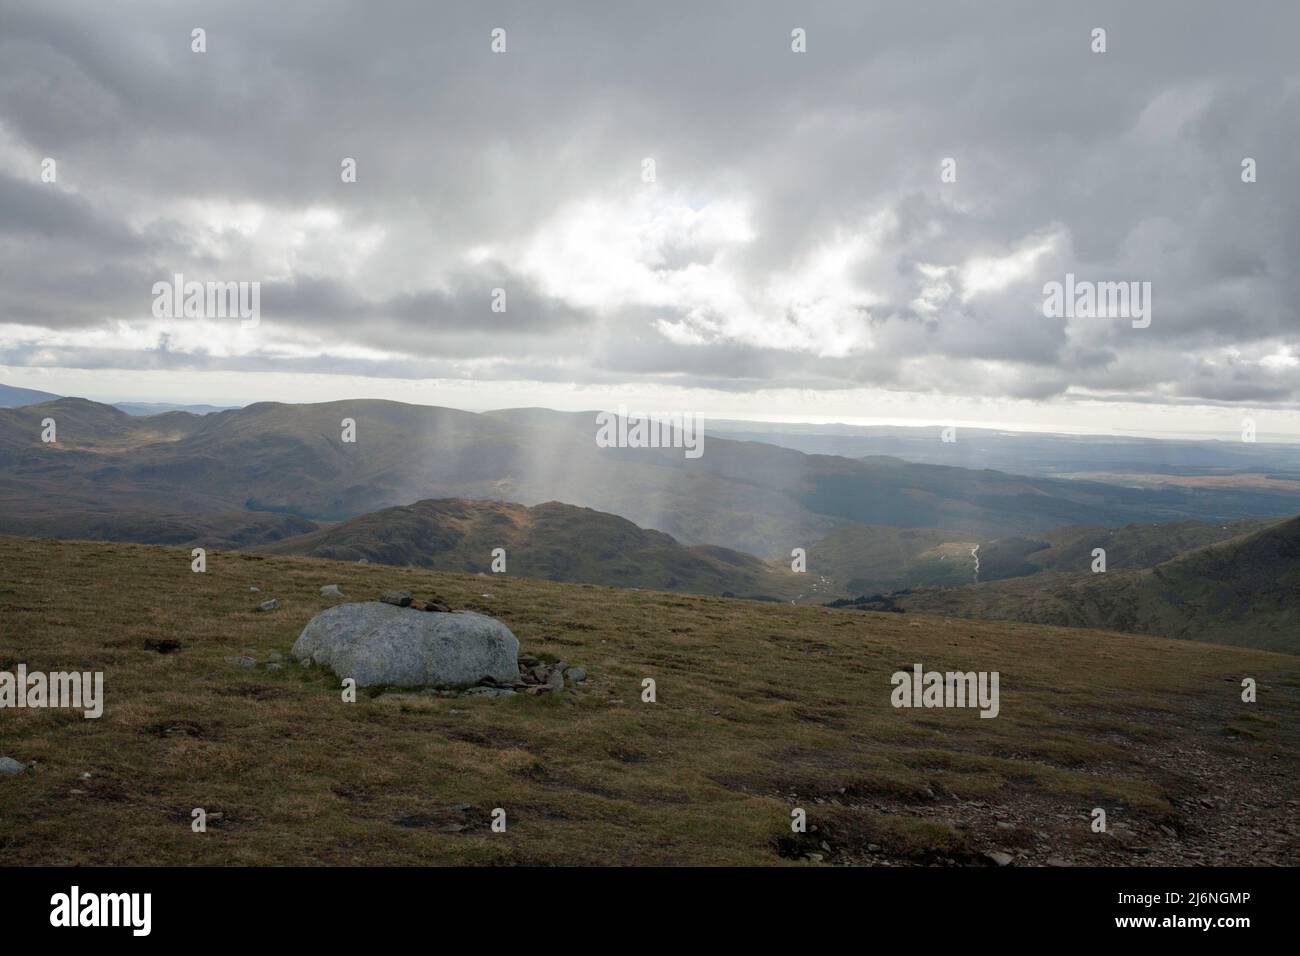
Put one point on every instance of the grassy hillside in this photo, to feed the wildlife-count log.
(866, 559)
(1130, 547)
(1241, 591)
(552, 541)
(761, 708)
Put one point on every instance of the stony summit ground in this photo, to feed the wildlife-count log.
(761, 708)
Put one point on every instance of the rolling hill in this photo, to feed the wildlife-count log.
(1130, 547)
(1242, 591)
(12, 396)
(290, 459)
(864, 559)
(551, 541)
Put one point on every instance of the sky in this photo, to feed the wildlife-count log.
(683, 212)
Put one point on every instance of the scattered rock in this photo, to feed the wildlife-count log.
(362, 561)
(255, 590)
(331, 590)
(241, 661)
(998, 857)
(379, 643)
(400, 598)
(432, 604)
(488, 692)
(271, 605)
(274, 667)
(576, 674)
(488, 596)
(9, 767)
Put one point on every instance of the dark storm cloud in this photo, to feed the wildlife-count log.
(797, 235)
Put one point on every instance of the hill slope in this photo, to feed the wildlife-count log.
(760, 708)
(552, 541)
(1242, 592)
(12, 396)
(1130, 547)
(864, 559)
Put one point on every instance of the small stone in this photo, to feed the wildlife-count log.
(256, 590)
(400, 598)
(488, 596)
(488, 692)
(241, 661)
(331, 590)
(576, 674)
(998, 857)
(1057, 861)
(275, 656)
(527, 660)
(9, 767)
(815, 857)
(362, 561)
(274, 667)
(271, 605)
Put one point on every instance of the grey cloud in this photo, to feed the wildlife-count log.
(1133, 156)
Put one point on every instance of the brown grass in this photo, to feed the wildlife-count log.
(761, 708)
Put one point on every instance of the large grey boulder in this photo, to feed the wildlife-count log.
(9, 767)
(377, 643)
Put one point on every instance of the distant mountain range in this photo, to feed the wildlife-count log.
(748, 496)
(12, 396)
(1114, 457)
